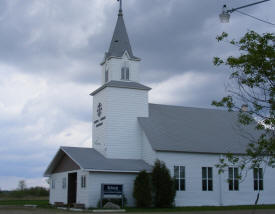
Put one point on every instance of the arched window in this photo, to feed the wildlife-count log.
(125, 73)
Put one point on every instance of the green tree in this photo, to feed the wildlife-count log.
(163, 186)
(143, 190)
(252, 75)
(22, 185)
(37, 191)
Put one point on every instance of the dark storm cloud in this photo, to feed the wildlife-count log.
(170, 35)
(161, 32)
(40, 41)
(167, 35)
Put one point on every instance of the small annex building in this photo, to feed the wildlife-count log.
(130, 134)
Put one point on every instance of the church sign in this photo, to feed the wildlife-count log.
(111, 189)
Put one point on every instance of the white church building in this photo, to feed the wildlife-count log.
(129, 134)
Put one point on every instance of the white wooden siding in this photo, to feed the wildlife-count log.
(124, 136)
(147, 153)
(194, 196)
(99, 133)
(114, 68)
(120, 134)
(82, 196)
(58, 194)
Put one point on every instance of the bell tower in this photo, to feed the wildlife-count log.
(119, 62)
(120, 100)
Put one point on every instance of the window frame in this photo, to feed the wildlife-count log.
(53, 183)
(106, 75)
(234, 181)
(83, 183)
(127, 75)
(125, 71)
(64, 183)
(180, 177)
(207, 180)
(258, 179)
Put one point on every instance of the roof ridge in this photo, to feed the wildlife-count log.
(76, 147)
(190, 107)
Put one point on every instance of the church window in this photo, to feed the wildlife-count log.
(258, 179)
(125, 73)
(106, 75)
(83, 181)
(233, 178)
(64, 183)
(207, 178)
(179, 174)
(53, 184)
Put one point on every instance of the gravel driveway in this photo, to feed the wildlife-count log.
(22, 210)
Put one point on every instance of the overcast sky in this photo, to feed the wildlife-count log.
(49, 63)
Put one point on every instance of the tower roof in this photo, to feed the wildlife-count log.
(120, 41)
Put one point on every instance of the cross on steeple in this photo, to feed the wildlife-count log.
(120, 6)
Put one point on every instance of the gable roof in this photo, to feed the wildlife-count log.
(120, 41)
(121, 84)
(186, 129)
(91, 160)
(65, 164)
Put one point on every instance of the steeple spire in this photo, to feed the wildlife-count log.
(120, 6)
(120, 41)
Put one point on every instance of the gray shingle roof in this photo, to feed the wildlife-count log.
(120, 41)
(185, 129)
(121, 84)
(90, 159)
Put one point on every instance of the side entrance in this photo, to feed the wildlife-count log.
(72, 187)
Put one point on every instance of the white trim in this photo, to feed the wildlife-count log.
(126, 55)
(116, 57)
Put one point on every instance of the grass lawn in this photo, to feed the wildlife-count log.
(203, 208)
(23, 202)
(44, 204)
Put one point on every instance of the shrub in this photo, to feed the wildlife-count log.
(163, 186)
(143, 190)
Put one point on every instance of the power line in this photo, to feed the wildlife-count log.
(243, 13)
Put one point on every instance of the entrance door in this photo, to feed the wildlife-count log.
(72, 187)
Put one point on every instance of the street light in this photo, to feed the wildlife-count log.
(225, 15)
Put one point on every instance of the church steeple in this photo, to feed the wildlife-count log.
(119, 62)
(120, 41)
(120, 100)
